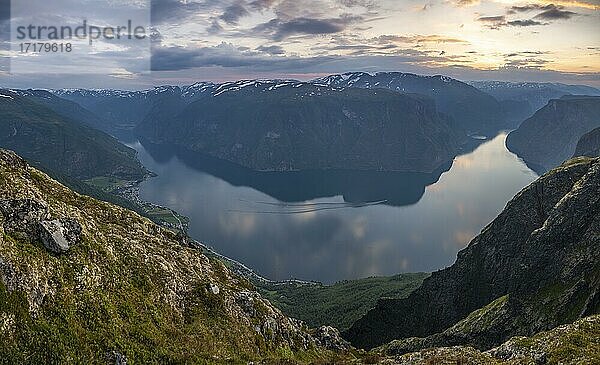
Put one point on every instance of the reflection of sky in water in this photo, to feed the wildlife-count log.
(349, 242)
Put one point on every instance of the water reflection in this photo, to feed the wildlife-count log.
(357, 187)
(379, 224)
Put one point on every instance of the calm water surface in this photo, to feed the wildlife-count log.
(331, 226)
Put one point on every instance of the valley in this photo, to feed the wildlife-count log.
(357, 203)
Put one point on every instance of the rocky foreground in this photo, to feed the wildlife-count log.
(89, 282)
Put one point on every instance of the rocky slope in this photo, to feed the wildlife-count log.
(60, 143)
(88, 282)
(589, 144)
(289, 126)
(473, 110)
(550, 136)
(577, 343)
(536, 266)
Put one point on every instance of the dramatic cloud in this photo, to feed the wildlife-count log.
(554, 14)
(266, 37)
(279, 30)
(233, 13)
(548, 12)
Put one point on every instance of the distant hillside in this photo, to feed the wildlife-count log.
(550, 136)
(520, 100)
(536, 266)
(61, 144)
(338, 305)
(589, 144)
(288, 126)
(472, 110)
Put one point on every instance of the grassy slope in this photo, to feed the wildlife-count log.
(129, 286)
(341, 304)
(61, 144)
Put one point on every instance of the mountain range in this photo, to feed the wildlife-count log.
(520, 100)
(290, 126)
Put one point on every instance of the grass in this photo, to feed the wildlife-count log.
(107, 183)
(338, 305)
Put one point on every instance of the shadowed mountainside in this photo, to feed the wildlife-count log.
(534, 267)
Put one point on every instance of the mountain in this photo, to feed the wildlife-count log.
(59, 143)
(536, 266)
(291, 126)
(121, 111)
(520, 100)
(62, 106)
(550, 136)
(473, 110)
(589, 144)
(88, 282)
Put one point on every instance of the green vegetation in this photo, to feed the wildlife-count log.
(128, 287)
(63, 144)
(338, 305)
(107, 183)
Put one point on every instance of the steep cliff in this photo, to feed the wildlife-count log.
(536, 266)
(550, 136)
(589, 144)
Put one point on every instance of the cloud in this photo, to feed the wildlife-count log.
(493, 22)
(463, 3)
(278, 29)
(548, 11)
(555, 14)
(225, 55)
(233, 13)
(272, 50)
(524, 23)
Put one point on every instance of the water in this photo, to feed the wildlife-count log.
(331, 226)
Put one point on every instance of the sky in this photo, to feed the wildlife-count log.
(223, 40)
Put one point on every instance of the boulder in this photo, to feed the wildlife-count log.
(59, 235)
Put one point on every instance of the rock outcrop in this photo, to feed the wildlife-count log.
(32, 219)
(59, 235)
(126, 290)
(550, 136)
(576, 343)
(536, 266)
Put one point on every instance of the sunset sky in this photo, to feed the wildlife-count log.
(467, 39)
